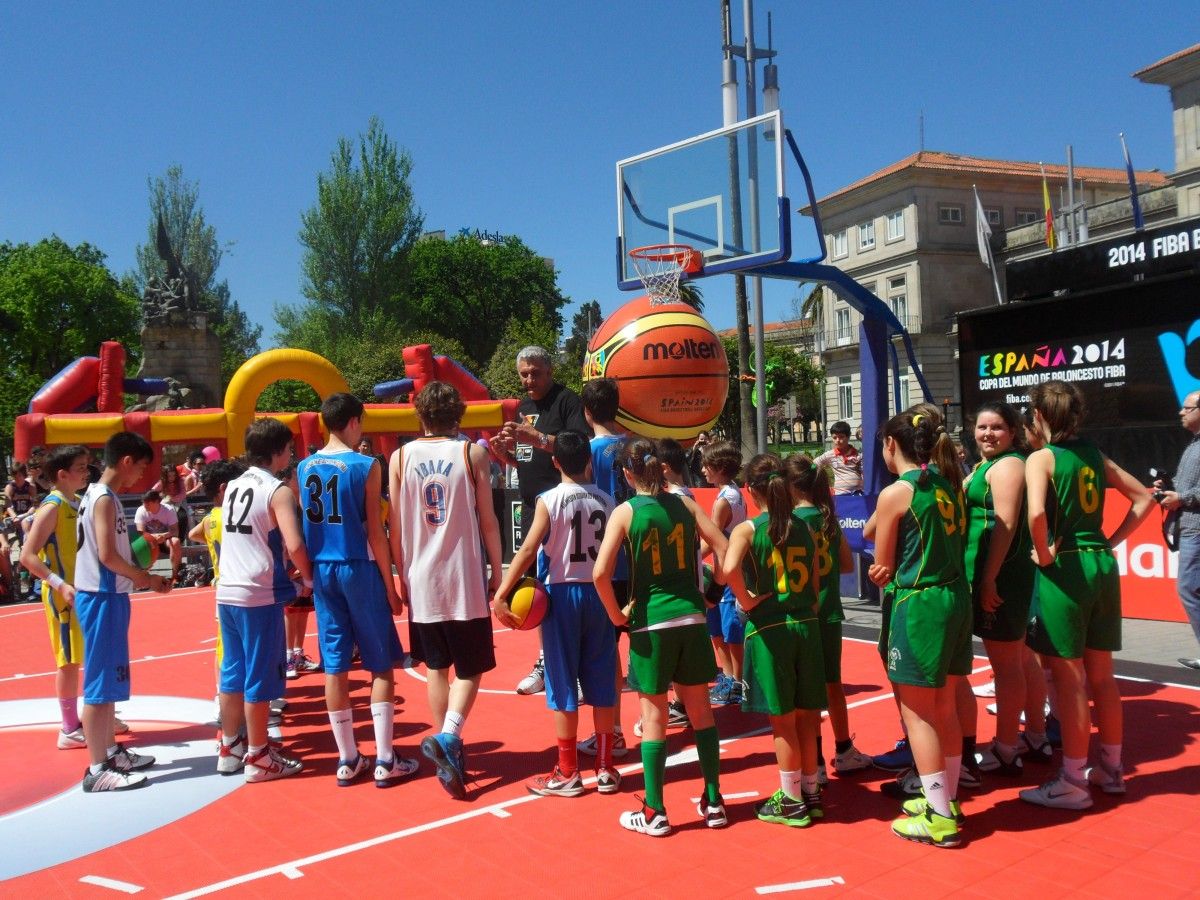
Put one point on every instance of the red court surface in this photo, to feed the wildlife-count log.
(309, 838)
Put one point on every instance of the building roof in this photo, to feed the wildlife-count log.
(936, 161)
(1151, 72)
(772, 327)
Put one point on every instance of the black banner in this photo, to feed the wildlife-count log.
(1166, 250)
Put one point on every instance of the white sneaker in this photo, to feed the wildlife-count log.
(72, 740)
(119, 727)
(535, 681)
(822, 775)
(646, 821)
(588, 745)
(985, 690)
(270, 764)
(637, 727)
(853, 760)
(231, 757)
(1111, 781)
(1058, 794)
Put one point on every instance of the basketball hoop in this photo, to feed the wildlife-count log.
(661, 268)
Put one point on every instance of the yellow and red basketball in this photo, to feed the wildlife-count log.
(529, 602)
(669, 364)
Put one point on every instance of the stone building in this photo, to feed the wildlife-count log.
(907, 232)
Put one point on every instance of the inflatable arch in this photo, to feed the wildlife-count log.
(52, 419)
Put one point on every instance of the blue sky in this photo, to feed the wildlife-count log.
(516, 112)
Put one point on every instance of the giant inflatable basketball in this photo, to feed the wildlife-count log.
(670, 366)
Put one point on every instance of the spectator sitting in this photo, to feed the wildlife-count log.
(158, 524)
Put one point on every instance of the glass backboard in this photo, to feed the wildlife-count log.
(722, 193)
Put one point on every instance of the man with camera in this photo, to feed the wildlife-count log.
(1183, 496)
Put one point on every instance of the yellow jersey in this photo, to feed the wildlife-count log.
(212, 537)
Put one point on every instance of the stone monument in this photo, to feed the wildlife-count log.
(177, 343)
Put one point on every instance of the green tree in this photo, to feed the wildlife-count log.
(500, 376)
(176, 201)
(790, 375)
(57, 303)
(365, 221)
(471, 288)
(585, 323)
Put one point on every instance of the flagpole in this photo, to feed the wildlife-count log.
(1138, 222)
(983, 233)
(1047, 211)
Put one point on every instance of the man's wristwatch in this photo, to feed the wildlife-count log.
(544, 441)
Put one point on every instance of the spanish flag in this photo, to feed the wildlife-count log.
(1051, 242)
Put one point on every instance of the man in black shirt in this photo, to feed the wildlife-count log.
(547, 408)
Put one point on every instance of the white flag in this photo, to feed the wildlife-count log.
(983, 233)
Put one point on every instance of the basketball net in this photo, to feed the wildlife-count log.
(661, 268)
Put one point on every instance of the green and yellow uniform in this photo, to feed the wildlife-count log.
(212, 537)
(829, 614)
(929, 635)
(1077, 598)
(784, 667)
(668, 639)
(66, 637)
(1014, 581)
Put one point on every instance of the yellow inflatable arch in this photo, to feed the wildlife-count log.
(257, 373)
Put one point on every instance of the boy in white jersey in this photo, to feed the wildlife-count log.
(578, 639)
(104, 576)
(354, 591)
(722, 462)
(258, 521)
(442, 520)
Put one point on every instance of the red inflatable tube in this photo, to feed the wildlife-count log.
(110, 393)
(72, 387)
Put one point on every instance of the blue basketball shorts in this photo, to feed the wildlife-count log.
(579, 646)
(104, 620)
(725, 621)
(352, 608)
(254, 651)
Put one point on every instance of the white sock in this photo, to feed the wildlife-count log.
(251, 752)
(96, 768)
(453, 723)
(1073, 769)
(342, 721)
(953, 771)
(383, 716)
(809, 783)
(229, 739)
(111, 751)
(790, 782)
(1110, 755)
(935, 793)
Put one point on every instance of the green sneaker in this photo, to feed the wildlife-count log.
(783, 810)
(917, 806)
(928, 828)
(816, 809)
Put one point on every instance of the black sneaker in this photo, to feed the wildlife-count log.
(906, 785)
(991, 760)
(110, 778)
(1041, 753)
(783, 810)
(970, 777)
(677, 716)
(816, 809)
(125, 760)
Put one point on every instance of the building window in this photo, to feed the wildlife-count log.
(904, 400)
(1028, 216)
(841, 246)
(866, 235)
(994, 217)
(842, 321)
(898, 297)
(895, 225)
(950, 214)
(845, 398)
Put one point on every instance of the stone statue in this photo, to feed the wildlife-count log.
(173, 299)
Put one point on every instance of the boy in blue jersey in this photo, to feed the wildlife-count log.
(104, 577)
(353, 587)
(601, 400)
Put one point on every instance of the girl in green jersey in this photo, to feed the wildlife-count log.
(1076, 617)
(814, 504)
(1000, 571)
(919, 523)
(668, 638)
(772, 569)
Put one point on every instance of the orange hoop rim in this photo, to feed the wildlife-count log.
(683, 255)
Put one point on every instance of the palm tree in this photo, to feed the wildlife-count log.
(691, 294)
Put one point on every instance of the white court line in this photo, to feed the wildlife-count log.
(292, 874)
(800, 885)
(744, 795)
(36, 606)
(112, 883)
(500, 810)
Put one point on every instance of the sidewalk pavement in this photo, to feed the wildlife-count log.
(1150, 649)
